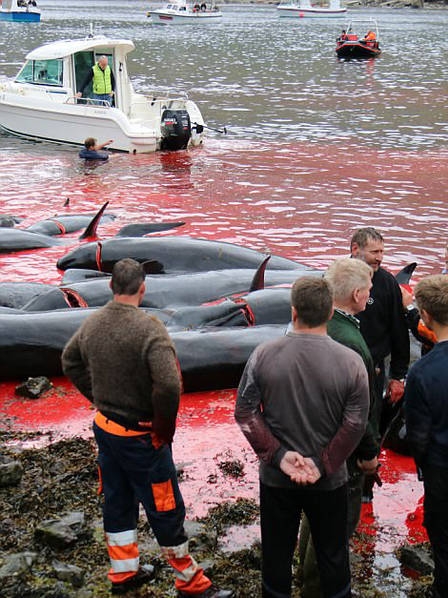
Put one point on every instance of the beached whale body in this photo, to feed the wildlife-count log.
(16, 239)
(164, 291)
(176, 254)
(31, 344)
(18, 294)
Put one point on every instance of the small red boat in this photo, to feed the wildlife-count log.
(350, 45)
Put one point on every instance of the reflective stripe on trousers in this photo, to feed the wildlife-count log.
(189, 576)
(123, 554)
(135, 471)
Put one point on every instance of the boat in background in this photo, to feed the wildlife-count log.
(304, 9)
(43, 102)
(20, 11)
(350, 45)
(182, 11)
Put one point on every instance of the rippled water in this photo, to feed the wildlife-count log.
(315, 147)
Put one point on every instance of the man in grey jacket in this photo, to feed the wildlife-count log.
(303, 403)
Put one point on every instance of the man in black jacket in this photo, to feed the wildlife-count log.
(383, 325)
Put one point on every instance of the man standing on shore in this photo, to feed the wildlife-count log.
(385, 330)
(302, 403)
(124, 362)
(426, 411)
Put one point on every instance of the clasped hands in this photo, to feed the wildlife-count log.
(301, 470)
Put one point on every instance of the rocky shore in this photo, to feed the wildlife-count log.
(52, 539)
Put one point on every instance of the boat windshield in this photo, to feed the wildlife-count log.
(42, 72)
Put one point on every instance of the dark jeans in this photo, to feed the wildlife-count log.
(135, 472)
(435, 481)
(280, 510)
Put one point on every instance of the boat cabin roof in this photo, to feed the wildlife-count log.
(64, 48)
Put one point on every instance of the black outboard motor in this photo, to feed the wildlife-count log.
(176, 129)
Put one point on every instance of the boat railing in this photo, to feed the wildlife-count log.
(87, 102)
(166, 95)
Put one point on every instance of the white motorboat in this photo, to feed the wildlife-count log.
(304, 9)
(182, 11)
(42, 101)
(25, 11)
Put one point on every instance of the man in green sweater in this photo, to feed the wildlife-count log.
(124, 362)
(351, 281)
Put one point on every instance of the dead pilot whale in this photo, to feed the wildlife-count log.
(176, 254)
(42, 234)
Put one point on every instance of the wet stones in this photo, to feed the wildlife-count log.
(417, 558)
(33, 388)
(61, 533)
(11, 472)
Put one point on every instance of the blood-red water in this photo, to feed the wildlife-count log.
(298, 200)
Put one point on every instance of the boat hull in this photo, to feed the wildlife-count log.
(355, 49)
(310, 13)
(20, 17)
(72, 123)
(171, 17)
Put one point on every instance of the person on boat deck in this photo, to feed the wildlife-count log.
(92, 151)
(196, 7)
(343, 37)
(103, 81)
(203, 7)
(370, 36)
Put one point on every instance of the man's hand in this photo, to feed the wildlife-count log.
(301, 470)
(406, 295)
(395, 391)
(369, 467)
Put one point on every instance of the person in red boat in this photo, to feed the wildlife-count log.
(426, 411)
(302, 404)
(124, 362)
(370, 36)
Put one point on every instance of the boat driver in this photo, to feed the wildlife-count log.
(103, 82)
(370, 36)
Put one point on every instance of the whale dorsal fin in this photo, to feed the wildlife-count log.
(258, 279)
(405, 274)
(90, 231)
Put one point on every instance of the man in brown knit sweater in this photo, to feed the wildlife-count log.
(124, 362)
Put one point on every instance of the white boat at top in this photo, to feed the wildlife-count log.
(19, 11)
(42, 102)
(304, 9)
(183, 11)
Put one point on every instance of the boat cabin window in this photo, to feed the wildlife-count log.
(42, 72)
